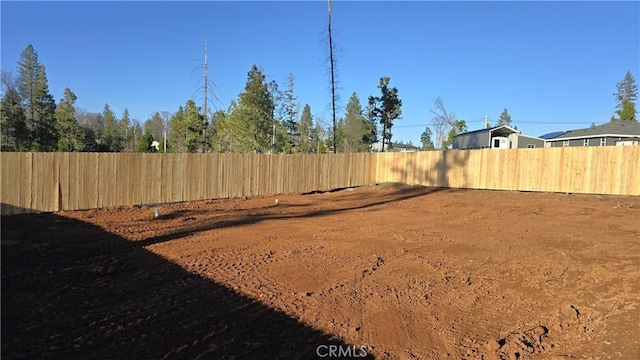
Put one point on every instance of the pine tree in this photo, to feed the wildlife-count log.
(627, 112)
(220, 140)
(38, 103)
(626, 96)
(504, 118)
(305, 128)
(44, 134)
(28, 68)
(71, 135)
(251, 120)
(290, 110)
(355, 127)
(15, 136)
(155, 125)
(178, 138)
(425, 139)
(144, 144)
(111, 138)
(192, 127)
(386, 108)
(126, 131)
(371, 133)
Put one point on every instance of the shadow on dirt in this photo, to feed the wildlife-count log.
(73, 291)
(402, 193)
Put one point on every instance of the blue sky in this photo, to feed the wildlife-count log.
(553, 65)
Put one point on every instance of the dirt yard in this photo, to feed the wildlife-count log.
(394, 272)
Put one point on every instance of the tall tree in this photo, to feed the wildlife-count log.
(44, 134)
(28, 69)
(305, 128)
(356, 130)
(504, 118)
(626, 96)
(425, 139)
(71, 136)
(290, 110)
(111, 138)
(332, 63)
(126, 131)
(251, 121)
(386, 108)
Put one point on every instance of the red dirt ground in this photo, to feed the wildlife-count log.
(406, 272)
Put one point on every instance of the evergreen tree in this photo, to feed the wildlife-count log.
(626, 96)
(15, 136)
(425, 139)
(71, 135)
(251, 120)
(93, 126)
(155, 126)
(220, 139)
(44, 134)
(126, 131)
(28, 68)
(305, 129)
(355, 127)
(627, 112)
(386, 108)
(504, 118)
(111, 138)
(192, 127)
(370, 136)
(283, 143)
(144, 145)
(38, 103)
(178, 137)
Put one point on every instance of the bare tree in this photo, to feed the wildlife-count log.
(331, 59)
(8, 80)
(206, 94)
(443, 121)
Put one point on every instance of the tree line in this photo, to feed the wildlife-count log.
(264, 118)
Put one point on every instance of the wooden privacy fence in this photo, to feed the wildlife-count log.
(41, 182)
(72, 181)
(612, 170)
